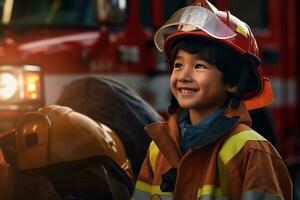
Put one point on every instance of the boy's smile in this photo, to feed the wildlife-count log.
(186, 91)
(197, 84)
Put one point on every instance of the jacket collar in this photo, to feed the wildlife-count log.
(166, 134)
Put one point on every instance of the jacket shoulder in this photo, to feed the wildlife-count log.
(243, 140)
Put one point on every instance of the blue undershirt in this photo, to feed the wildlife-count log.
(189, 132)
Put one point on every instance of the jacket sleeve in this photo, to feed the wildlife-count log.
(261, 175)
(143, 185)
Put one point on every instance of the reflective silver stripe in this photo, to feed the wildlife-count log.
(212, 197)
(140, 195)
(253, 195)
(162, 197)
(146, 191)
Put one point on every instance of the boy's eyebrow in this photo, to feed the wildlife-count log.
(197, 56)
(178, 57)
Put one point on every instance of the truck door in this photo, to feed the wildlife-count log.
(275, 27)
(273, 24)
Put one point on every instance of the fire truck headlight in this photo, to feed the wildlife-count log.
(20, 85)
(32, 85)
(8, 85)
(32, 82)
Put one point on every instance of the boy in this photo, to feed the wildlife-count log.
(207, 149)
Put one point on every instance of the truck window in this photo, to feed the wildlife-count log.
(171, 6)
(1, 8)
(49, 12)
(145, 13)
(112, 13)
(253, 12)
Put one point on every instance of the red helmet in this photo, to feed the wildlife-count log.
(203, 20)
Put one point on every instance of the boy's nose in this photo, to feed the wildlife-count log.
(185, 75)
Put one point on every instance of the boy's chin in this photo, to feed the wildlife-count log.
(185, 106)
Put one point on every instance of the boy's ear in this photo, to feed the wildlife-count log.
(231, 89)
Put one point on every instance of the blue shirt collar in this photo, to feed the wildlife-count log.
(189, 133)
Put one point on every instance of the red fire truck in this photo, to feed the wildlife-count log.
(47, 44)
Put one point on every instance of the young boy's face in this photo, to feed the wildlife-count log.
(197, 84)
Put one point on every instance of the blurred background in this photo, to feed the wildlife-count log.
(45, 45)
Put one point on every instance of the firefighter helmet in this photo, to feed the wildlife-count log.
(57, 134)
(205, 21)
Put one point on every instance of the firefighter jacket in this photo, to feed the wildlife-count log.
(240, 164)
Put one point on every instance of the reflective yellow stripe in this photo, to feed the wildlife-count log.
(143, 186)
(151, 189)
(236, 142)
(156, 190)
(144, 190)
(153, 151)
(209, 190)
(229, 149)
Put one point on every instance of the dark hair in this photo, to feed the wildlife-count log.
(226, 60)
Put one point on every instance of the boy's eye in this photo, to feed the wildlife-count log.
(200, 66)
(177, 65)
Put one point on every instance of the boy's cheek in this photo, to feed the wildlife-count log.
(174, 92)
(172, 84)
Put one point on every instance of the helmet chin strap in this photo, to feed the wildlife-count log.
(239, 94)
